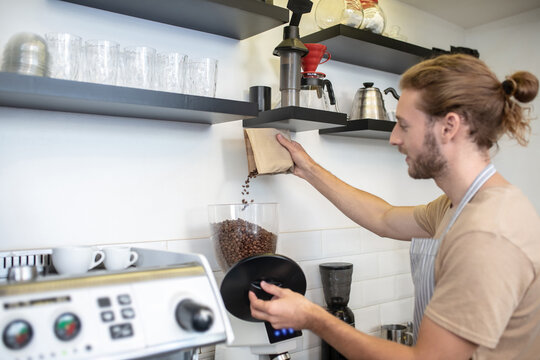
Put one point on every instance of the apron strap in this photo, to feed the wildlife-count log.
(480, 180)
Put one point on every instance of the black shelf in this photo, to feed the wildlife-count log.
(295, 118)
(363, 128)
(237, 19)
(364, 48)
(35, 92)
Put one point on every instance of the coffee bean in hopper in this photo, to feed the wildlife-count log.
(238, 239)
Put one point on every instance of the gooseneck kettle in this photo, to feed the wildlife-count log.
(368, 103)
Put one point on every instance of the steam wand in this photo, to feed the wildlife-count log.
(290, 51)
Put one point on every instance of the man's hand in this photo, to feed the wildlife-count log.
(302, 161)
(287, 309)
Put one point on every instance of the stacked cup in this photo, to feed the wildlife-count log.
(66, 56)
(27, 54)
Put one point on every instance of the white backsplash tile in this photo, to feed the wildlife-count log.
(365, 266)
(341, 242)
(378, 291)
(397, 312)
(303, 245)
(198, 246)
(368, 319)
(155, 245)
(374, 243)
(394, 262)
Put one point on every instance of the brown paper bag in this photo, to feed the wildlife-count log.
(265, 154)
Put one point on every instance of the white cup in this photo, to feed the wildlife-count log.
(72, 260)
(119, 257)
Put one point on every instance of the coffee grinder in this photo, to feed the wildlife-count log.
(244, 237)
(336, 279)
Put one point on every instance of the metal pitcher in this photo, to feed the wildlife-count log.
(368, 103)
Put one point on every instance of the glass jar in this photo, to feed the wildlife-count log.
(374, 18)
(353, 15)
(332, 12)
(329, 13)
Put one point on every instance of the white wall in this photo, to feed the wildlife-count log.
(507, 46)
(82, 179)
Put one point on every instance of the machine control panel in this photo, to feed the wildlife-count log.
(123, 316)
(276, 335)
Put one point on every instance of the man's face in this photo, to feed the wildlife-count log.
(414, 135)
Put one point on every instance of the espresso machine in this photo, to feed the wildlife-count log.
(244, 237)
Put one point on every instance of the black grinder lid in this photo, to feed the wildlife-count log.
(249, 272)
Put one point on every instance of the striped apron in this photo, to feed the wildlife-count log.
(424, 250)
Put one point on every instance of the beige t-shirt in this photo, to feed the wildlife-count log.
(487, 288)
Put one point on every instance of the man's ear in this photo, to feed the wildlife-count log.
(450, 126)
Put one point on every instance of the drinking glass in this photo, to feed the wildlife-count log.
(170, 72)
(102, 61)
(65, 51)
(201, 77)
(139, 66)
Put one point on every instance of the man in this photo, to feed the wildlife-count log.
(475, 251)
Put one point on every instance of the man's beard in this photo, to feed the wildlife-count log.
(430, 163)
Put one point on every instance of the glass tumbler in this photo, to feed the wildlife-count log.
(65, 51)
(139, 63)
(102, 61)
(170, 72)
(201, 77)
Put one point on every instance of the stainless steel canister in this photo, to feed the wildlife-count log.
(398, 333)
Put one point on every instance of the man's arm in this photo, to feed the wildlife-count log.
(367, 210)
(291, 310)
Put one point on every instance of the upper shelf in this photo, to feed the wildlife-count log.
(237, 19)
(364, 48)
(363, 128)
(35, 92)
(296, 118)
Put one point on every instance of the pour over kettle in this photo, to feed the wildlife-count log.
(368, 103)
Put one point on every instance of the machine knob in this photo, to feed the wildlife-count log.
(192, 316)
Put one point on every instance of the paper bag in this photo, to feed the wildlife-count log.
(265, 154)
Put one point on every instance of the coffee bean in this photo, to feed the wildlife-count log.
(238, 239)
(251, 175)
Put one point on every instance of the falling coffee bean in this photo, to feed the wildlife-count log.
(251, 175)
